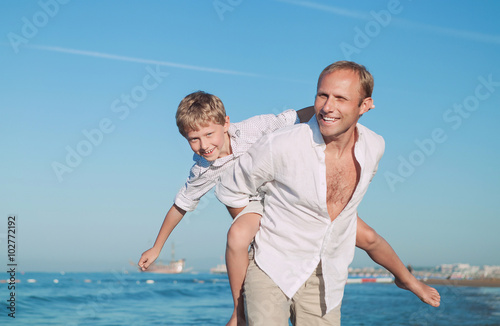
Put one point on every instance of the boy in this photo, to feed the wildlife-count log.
(217, 144)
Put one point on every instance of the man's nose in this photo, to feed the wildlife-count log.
(329, 105)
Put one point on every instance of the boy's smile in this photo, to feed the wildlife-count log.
(210, 141)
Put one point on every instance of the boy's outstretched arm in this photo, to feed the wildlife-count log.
(382, 253)
(173, 217)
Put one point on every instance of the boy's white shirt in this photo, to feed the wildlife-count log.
(204, 175)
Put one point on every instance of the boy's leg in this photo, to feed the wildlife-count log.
(382, 253)
(265, 303)
(239, 238)
(309, 306)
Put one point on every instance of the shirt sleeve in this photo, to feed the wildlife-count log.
(252, 170)
(267, 123)
(196, 186)
(377, 147)
(183, 201)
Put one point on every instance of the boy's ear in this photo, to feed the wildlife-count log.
(226, 124)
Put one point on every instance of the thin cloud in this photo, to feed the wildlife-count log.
(330, 9)
(466, 35)
(140, 60)
(157, 62)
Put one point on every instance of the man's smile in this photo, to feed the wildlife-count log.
(328, 119)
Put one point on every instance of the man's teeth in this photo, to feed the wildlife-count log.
(329, 119)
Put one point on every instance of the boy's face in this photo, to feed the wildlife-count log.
(210, 141)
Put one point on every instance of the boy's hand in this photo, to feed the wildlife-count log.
(147, 258)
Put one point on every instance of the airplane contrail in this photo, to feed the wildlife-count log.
(156, 62)
(463, 34)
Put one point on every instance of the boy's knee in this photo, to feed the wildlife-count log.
(236, 236)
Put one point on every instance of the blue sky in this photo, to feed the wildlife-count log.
(92, 159)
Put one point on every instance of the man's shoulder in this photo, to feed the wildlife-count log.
(370, 135)
(375, 143)
(289, 132)
(263, 124)
(285, 140)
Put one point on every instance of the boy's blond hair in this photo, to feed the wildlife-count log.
(197, 110)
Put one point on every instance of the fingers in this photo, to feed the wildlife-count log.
(143, 263)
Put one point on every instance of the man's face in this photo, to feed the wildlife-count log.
(210, 141)
(337, 104)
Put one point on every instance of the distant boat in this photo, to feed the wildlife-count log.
(219, 269)
(173, 267)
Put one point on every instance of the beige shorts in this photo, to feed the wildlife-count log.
(267, 305)
(254, 206)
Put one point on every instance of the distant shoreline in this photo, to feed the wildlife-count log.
(487, 282)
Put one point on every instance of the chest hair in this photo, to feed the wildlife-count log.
(342, 176)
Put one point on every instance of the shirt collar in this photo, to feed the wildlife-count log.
(317, 137)
(201, 161)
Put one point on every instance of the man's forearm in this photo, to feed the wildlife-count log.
(382, 253)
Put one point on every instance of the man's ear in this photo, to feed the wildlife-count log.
(366, 105)
(226, 124)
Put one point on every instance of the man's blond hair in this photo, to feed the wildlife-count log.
(365, 78)
(198, 109)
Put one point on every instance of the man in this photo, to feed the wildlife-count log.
(314, 176)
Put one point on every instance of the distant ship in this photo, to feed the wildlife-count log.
(173, 267)
(219, 269)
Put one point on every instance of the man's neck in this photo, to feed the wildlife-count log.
(342, 144)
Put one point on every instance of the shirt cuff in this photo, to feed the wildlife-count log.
(185, 203)
(292, 116)
(229, 198)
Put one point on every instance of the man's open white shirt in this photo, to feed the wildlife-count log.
(205, 174)
(296, 231)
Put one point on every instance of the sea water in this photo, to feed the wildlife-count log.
(73, 299)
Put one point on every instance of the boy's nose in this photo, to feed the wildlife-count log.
(203, 144)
